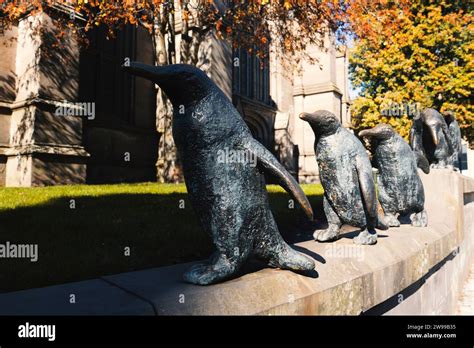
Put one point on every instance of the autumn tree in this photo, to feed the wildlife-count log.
(412, 55)
(280, 27)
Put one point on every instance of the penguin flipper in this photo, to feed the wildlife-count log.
(367, 188)
(447, 136)
(455, 135)
(422, 162)
(415, 136)
(270, 164)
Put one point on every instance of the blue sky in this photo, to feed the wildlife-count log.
(353, 92)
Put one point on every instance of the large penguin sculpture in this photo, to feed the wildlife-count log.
(400, 189)
(227, 194)
(430, 140)
(345, 172)
(455, 136)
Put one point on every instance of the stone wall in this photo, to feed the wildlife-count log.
(410, 270)
(437, 292)
(39, 77)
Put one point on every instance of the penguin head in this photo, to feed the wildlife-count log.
(449, 117)
(322, 122)
(433, 123)
(183, 84)
(380, 132)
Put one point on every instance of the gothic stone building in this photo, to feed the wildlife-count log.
(38, 146)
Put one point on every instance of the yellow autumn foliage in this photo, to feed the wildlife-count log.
(427, 61)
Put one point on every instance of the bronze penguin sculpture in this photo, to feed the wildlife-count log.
(345, 172)
(400, 190)
(229, 197)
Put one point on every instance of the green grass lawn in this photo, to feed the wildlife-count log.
(90, 240)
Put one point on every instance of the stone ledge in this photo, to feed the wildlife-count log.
(316, 88)
(349, 279)
(51, 149)
(344, 285)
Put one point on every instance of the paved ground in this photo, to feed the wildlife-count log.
(466, 302)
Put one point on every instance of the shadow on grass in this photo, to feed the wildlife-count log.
(92, 240)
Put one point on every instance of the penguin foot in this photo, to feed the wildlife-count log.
(205, 274)
(292, 260)
(381, 224)
(391, 220)
(439, 165)
(328, 235)
(365, 238)
(419, 219)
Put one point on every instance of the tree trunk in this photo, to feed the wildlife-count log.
(168, 168)
(184, 47)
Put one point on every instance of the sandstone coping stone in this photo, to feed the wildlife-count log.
(350, 279)
(344, 285)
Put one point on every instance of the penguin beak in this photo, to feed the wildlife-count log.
(305, 116)
(149, 72)
(434, 134)
(366, 133)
